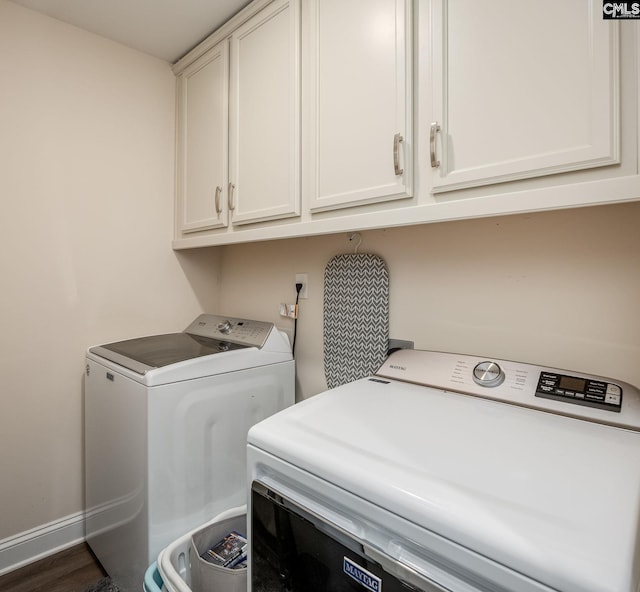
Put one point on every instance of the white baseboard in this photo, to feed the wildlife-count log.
(42, 541)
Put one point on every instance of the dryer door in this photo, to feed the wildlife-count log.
(293, 550)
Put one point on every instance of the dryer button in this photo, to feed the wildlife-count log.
(488, 374)
(612, 399)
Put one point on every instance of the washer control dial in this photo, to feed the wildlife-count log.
(488, 374)
(225, 327)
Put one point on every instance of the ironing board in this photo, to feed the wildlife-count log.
(356, 317)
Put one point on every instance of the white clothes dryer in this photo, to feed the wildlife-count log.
(450, 473)
(166, 421)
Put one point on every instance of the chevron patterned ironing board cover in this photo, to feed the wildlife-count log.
(356, 317)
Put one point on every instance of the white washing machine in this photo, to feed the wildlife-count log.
(166, 421)
(450, 473)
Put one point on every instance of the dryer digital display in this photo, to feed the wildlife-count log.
(580, 391)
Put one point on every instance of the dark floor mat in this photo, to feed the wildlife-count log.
(104, 585)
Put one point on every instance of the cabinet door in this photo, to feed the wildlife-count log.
(202, 167)
(521, 89)
(264, 148)
(357, 110)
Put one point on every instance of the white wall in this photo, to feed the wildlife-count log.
(555, 288)
(86, 189)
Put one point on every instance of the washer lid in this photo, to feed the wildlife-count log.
(552, 497)
(146, 353)
(207, 334)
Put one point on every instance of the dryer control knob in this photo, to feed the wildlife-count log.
(488, 374)
(225, 327)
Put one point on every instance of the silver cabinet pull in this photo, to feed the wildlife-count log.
(435, 128)
(230, 203)
(396, 157)
(218, 205)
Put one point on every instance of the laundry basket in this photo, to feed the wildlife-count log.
(181, 568)
(153, 580)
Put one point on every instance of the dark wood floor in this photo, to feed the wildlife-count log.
(72, 570)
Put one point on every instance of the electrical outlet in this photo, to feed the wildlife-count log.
(302, 278)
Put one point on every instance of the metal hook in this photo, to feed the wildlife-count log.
(354, 236)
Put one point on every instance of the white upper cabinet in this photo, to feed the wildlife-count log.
(357, 89)
(264, 142)
(521, 89)
(304, 117)
(202, 142)
(238, 139)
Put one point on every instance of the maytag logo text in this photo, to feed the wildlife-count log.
(370, 581)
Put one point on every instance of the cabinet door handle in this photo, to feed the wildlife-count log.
(218, 205)
(230, 203)
(435, 128)
(396, 157)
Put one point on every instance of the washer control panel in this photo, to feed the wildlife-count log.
(580, 391)
(240, 331)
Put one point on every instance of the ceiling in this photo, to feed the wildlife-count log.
(166, 29)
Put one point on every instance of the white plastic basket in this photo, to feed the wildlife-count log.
(175, 562)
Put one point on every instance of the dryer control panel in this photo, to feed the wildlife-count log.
(576, 394)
